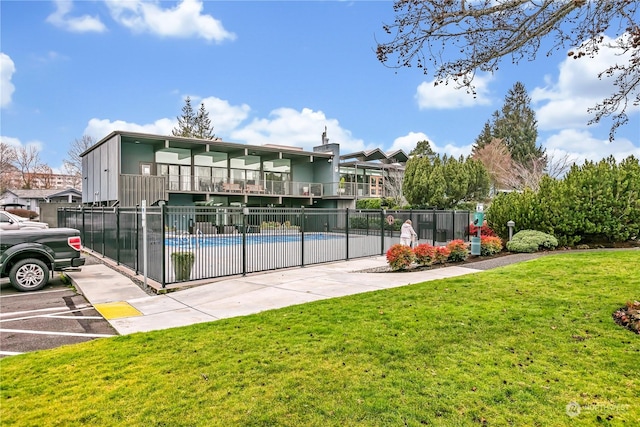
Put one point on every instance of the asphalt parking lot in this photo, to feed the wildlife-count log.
(48, 318)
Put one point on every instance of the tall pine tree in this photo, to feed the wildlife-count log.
(516, 126)
(186, 122)
(203, 128)
(192, 125)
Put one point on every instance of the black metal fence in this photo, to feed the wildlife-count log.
(209, 242)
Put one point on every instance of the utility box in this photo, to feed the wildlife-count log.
(475, 246)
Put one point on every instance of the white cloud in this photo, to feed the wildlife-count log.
(564, 103)
(80, 24)
(448, 96)
(17, 143)
(224, 117)
(184, 20)
(7, 68)
(9, 140)
(286, 126)
(582, 145)
(99, 128)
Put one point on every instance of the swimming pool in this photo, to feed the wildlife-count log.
(215, 241)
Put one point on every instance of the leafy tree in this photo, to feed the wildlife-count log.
(482, 33)
(444, 181)
(423, 149)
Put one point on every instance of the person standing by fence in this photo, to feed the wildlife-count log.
(407, 233)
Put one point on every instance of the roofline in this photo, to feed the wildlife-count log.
(295, 151)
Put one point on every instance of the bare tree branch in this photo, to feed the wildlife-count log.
(73, 165)
(454, 39)
(27, 162)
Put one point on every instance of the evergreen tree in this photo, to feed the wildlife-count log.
(485, 138)
(203, 128)
(444, 182)
(186, 122)
(516, 125)
(423, 149)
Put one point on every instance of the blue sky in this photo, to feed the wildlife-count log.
(268, 72)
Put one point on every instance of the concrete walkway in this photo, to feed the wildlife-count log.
(130, 309)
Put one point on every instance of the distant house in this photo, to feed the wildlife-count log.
(125, 168)
(33, 199)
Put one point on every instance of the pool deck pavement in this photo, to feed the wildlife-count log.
(129, 309)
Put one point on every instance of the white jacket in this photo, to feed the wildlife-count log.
(407, 231)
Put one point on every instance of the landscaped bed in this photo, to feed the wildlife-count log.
(533, 343)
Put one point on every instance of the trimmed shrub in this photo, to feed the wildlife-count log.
(400, 257)
(457, 250)
(425, 254)
(442, 255)
(531, 241)
(490, 245)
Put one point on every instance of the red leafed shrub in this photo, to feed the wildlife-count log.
(400, 257)
(490, 245)
(442, 255)
(485, 230)
(425, 254)
(457, 250)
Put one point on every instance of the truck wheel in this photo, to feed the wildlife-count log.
(29, 275)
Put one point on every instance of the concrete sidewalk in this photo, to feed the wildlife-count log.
(130, 309)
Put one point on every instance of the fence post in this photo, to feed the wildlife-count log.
(383, 212)
(103, 234)
(84, 234)
(137, 237)
(245, 212)
(346, 228)
(435, 227)
(302, 225)
(117, 212)
(453, 227)
(163, 261)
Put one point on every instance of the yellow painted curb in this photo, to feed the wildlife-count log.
(117, 310)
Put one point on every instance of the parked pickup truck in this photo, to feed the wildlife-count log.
(28, 257)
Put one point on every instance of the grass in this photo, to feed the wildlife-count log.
(512, 346)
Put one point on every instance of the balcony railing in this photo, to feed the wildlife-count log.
(231, 186)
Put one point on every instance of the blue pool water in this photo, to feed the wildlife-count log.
(207, 241)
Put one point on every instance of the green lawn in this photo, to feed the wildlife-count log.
(511, 346)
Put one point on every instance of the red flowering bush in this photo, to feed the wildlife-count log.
(425, 254)
(485, 230)
(442, 255)
(490, 245)
(400, 257)
(457, 250)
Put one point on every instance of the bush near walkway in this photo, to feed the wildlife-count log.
(531, 241)
(595, 202)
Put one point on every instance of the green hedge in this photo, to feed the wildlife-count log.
(596, 202)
